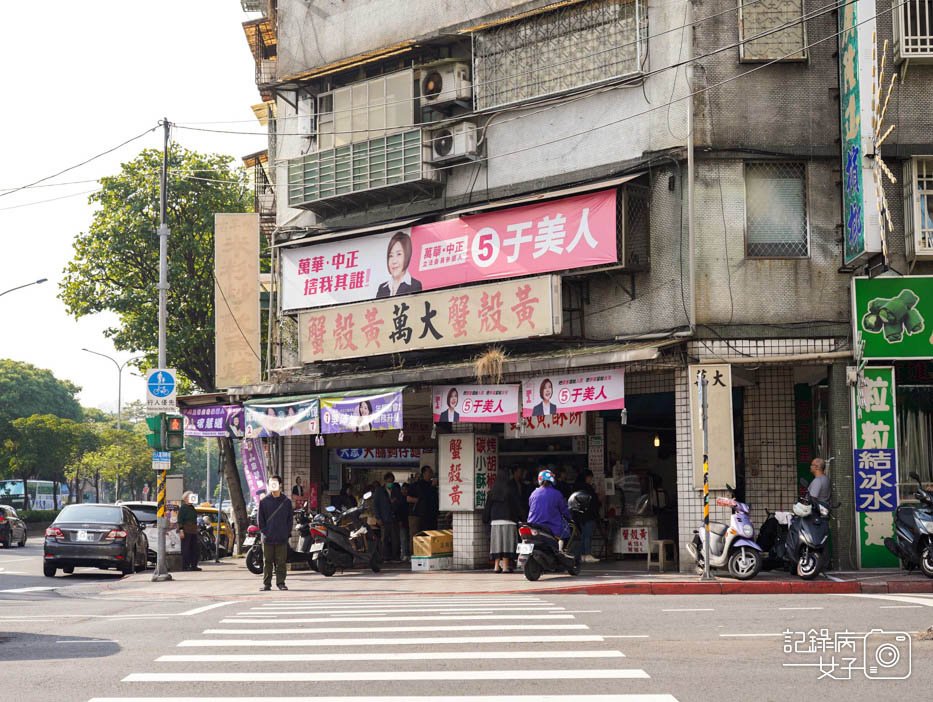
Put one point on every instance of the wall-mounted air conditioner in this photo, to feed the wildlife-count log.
(456, 142)
(445, 84)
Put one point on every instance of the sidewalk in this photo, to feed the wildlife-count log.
(231, 580)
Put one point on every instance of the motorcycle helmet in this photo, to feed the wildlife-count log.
(579, 501)
(546, 476)
(802, 509)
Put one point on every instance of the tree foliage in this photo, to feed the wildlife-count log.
(26, 390)
(116, 261)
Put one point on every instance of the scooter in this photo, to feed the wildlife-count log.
(345, 542)
(539, 551)
(807, 537)
(253, 541)
(913, 532)
(732, 545)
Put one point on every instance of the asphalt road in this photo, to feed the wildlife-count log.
(74, 646)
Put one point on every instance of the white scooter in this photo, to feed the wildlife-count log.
(731, 546)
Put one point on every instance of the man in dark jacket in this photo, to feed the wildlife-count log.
(382, 508)
(425, 501)
(275, 523)
(188, 531)
(391, 531)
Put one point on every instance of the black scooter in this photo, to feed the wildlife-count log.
(808, 537)
(913, 532)
(346, 542)
(539, 551)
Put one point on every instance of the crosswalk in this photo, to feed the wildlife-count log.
(390, 649)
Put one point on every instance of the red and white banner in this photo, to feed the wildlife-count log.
(475, 403)
(573, 232)
(582, 392)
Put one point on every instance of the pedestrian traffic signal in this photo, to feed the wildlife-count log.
(156, 437)
(174, 432)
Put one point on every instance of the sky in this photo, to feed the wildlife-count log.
(78, 79)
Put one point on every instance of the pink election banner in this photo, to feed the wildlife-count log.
(559, 235)
(581, 392)
(475, 403)
(574, 232)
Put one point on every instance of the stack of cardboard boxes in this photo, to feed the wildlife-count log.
(432, 550)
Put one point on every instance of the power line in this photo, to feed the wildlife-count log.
(50, 185)
(78, 165)
(52, 199)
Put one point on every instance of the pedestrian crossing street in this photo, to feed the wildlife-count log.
(507, 648)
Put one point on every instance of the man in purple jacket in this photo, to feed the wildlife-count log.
(547, 506)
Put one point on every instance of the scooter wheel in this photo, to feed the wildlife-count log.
(325, 566)
(576, 567)
(744, 563)
(376, 562)
(808, 565)
(532, 570)
(254, 562)
(926, 560)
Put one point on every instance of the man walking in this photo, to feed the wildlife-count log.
(275, 523)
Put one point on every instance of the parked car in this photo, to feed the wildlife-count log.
(12, 528)
(95, 536)
(147, 514)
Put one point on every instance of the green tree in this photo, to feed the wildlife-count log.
(26, 390)
(116, 265)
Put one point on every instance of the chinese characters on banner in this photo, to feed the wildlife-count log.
(719, 425)
(455, 472)
(875, 464)
(569, 424)
(486, 464)
(486, 313)
(362, 412)
(213, 421)
(254, 466)
(295, 418)
(475, 403)
(560, 235)
(367, 456)
(582, 392)
(633, 540)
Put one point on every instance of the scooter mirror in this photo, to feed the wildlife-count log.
(367, 495)
(915, 475)
(331, 509)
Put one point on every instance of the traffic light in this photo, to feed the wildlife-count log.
(156, 438)
(174, 432)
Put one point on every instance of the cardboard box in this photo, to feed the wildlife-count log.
(433, 543)
(422, 564)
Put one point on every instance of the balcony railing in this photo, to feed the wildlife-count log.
(913, 30)
(373, 170)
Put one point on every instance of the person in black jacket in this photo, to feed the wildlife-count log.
(502, 512)
(275, 523)
(589, 519)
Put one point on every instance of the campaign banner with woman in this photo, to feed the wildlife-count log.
(580, 392)
(558, 235)
(293, 417)
(354, 413)
(213, 421)
(475, 403)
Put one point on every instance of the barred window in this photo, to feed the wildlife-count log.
(759, 18)
(776, 210)
(560, 50)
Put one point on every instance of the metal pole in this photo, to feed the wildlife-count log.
(220, 501)
(207, 446)
(161, 569)
(704, 414)
(691, 233)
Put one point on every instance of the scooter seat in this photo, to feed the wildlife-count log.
(541, 527)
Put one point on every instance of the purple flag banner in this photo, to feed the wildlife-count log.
(355, 413)
(254, 466)
(213, 421)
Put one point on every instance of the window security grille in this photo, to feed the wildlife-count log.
(568, 48)
(756, 17)
(776, 210)
(913, 30)
(918, 208)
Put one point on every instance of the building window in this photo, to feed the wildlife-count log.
(918, 208)
(913, 29)
(366, 110)
(758, 20)
(556, 51)
(776, 210)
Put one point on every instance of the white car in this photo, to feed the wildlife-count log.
(146, 513)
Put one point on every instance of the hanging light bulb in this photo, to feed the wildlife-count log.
(318, 440)
(401, 435)
(657, 440)
(433, 431)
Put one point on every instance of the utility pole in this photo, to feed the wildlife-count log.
(161, 569)
(702, 383)
(691, 232)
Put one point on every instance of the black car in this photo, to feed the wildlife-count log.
(12, 528)
(95, 536)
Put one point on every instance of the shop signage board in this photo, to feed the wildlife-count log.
(466, 470)
(254, 466)
(362, 412)
(285, 417)
(577, 392)
(381, 456)
(634, 539)
(875, 464)
(569, 424)
(569, 233)
(213, 421)
(486, 462)
(719, 425)
(893, 317)
(517, 309)
(475, 403)
(803, 431)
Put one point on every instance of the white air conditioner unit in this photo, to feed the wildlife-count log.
(444, 84)
(456, 142)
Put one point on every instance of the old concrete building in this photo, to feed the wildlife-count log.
(385, 117)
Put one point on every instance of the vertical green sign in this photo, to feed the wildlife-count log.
(875, 464)
(853, 199)
(803, 416)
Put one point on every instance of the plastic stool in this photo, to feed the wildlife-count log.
(660, 546)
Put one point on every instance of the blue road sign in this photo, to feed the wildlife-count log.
(162, 383)
(161, 456)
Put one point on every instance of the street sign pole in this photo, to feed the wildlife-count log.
(704, 414)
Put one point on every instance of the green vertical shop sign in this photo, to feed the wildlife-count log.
(893, 317)
(875, 439)
(803, 416)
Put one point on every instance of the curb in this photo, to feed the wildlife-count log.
(801, 587)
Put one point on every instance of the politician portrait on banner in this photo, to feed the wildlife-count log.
(581, 392)
(475, 403)
(355, 413)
